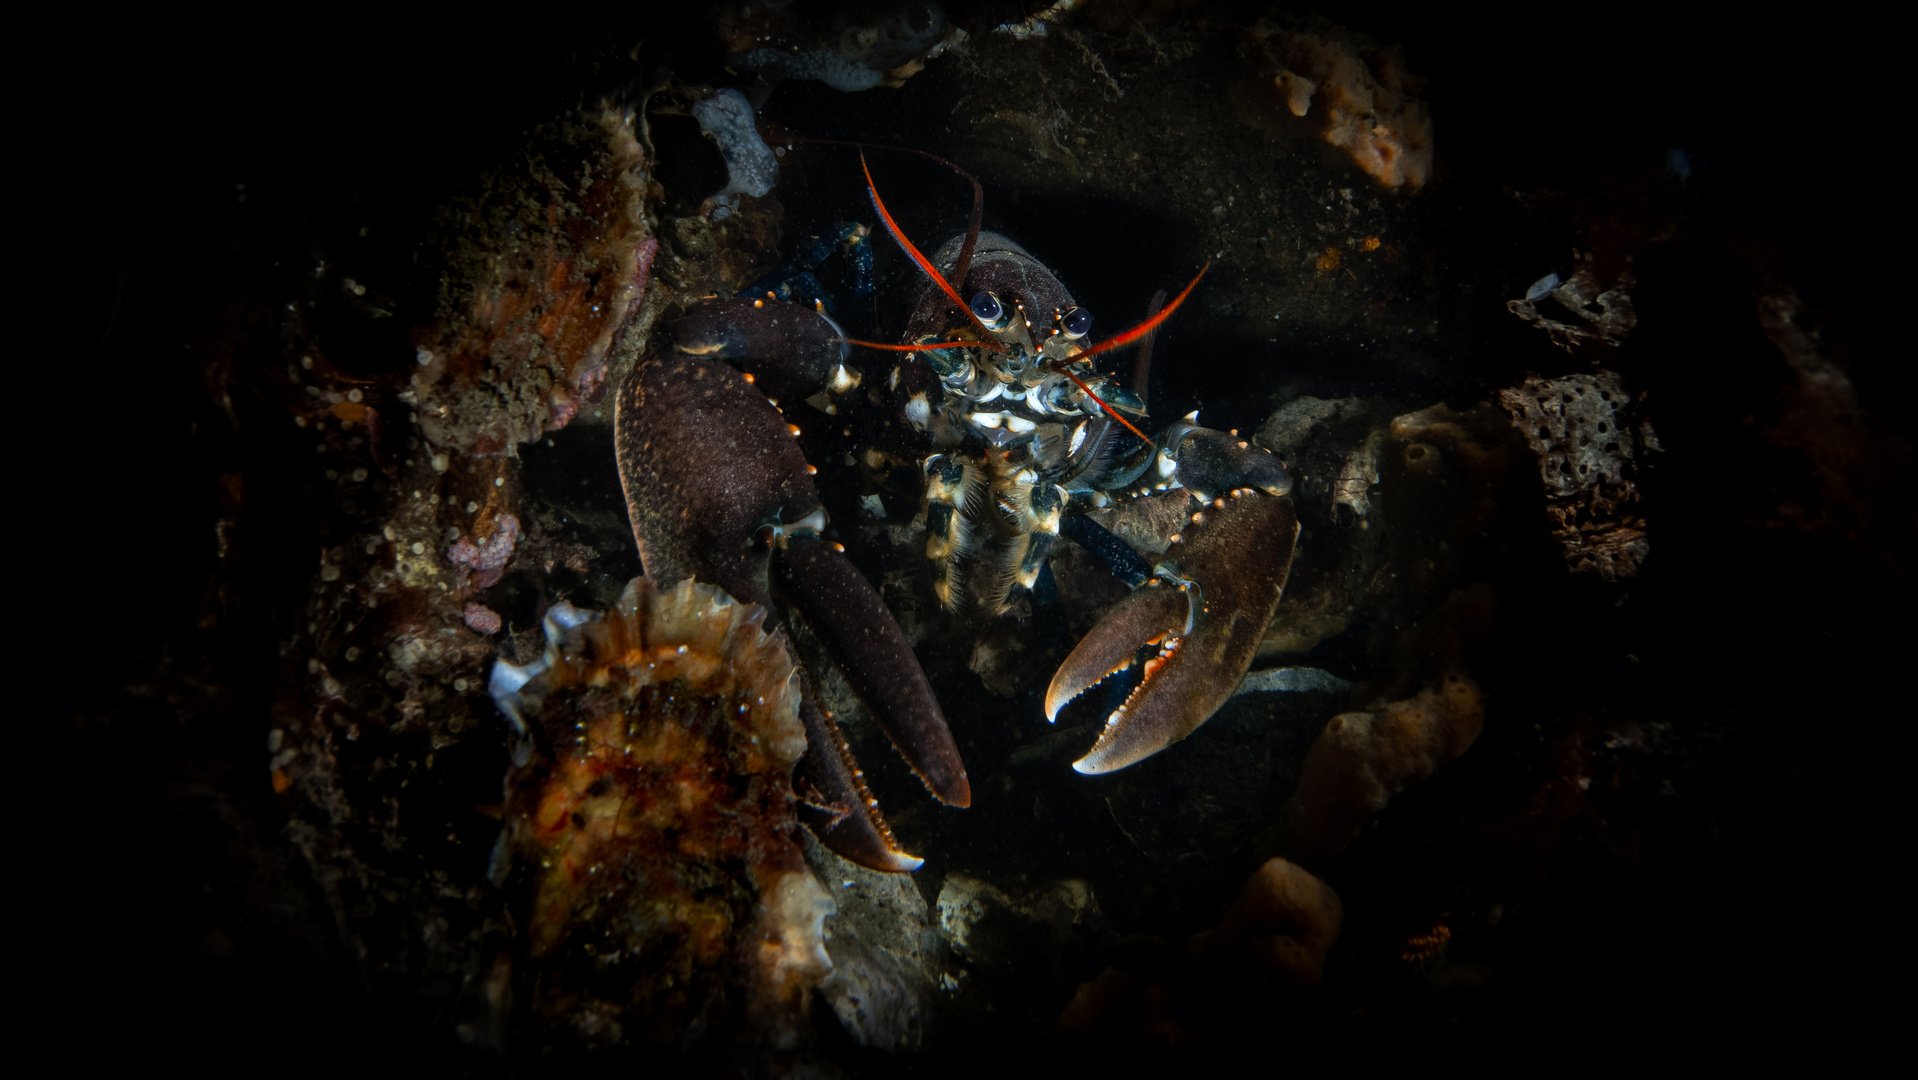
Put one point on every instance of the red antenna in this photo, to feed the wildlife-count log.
(925, 264)
(1145, 327)
(911, 348)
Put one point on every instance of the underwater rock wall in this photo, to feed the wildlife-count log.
(431, 518)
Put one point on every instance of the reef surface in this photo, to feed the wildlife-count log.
(1599, 501)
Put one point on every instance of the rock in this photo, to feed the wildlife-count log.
(1587, 313)
(1279, 930)
(857, 48)
(1362, 759)
(1588, 442)
(1010, 941)
(888, 958)
(1342, 87)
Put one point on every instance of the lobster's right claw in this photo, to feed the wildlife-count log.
(1206, 611)
(710, 468)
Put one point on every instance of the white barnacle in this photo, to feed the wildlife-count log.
(1078, 438)
(918, 412)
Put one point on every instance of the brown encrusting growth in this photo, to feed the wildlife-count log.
(1344, 88)
(1582, 429)
(1278, 931)
(652, 832)
(544, 272)
(1362, 759)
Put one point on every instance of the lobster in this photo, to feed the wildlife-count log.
(1015, 431)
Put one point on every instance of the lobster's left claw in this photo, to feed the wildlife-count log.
(1207, 610)
(864, 641)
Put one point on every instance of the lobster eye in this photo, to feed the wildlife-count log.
(1077, 322)
(986, 306)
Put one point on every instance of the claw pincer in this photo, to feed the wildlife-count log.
(718, 490)
(1204, 612)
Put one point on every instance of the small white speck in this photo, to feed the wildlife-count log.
(354, 396)
(306, 362)
(419, 548)
(499, 481)
(459, 685)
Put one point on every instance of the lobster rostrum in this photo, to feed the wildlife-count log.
(1014, 428)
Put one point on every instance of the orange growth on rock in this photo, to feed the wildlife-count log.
(1319, 79)
(1279, 930)
(349, 412)
(1362, 759)
(543, 273)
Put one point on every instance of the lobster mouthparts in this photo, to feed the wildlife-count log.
(1206, 611)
